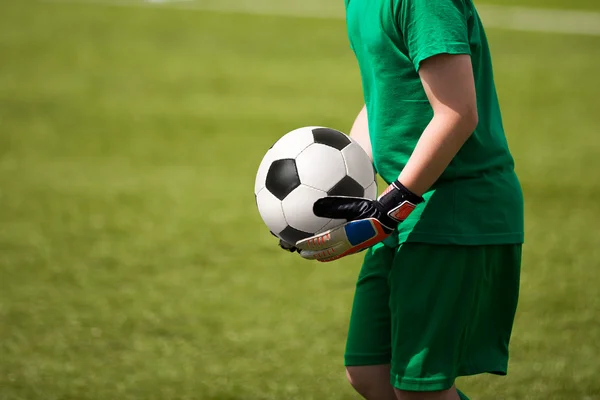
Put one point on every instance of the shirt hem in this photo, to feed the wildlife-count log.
(460, 239)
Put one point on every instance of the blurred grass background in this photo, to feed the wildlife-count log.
(133, 263)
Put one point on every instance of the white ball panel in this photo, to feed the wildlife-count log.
(271, 211)
(298, 209)
(263, 169)
(320, 166)
(293, 143)
(359, 165)
(371, 191)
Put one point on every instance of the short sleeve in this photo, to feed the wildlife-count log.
(432, 27)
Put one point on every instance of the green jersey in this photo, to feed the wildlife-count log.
(478, 199)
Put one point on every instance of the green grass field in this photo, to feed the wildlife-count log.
(133, 263)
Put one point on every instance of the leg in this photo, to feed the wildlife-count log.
(368, 348)
(452, 309)
(371, 381)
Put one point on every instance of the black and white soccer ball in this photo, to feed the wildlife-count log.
(303, 166)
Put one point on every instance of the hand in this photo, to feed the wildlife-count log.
(369, 222)
(285, 245)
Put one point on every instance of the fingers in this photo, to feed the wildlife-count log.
(349, 238)
(338, 207)
(323, 240)
(327, 246)
(328, 254)
(286, 246)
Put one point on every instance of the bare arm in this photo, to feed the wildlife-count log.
(360, 131)
(450, 87)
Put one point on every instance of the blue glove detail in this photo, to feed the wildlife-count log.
(360, 231)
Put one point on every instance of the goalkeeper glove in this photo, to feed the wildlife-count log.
(369, 222)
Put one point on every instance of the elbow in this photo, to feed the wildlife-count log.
(461, 121)
(469, 120)
(465, 122)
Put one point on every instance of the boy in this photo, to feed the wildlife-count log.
(438, 289)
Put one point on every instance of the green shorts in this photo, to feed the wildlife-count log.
(434, 312)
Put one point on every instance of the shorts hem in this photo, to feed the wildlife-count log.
(433, 385)
(500, 370)
(420, 385)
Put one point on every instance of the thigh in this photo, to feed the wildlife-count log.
(439, 302)
(369, 332)
(492, 318)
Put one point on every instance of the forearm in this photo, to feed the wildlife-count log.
(360, 131)
(449, 85)
(439, 143)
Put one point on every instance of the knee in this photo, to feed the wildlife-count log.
(354, 377)
(358, 380)
(369, 383)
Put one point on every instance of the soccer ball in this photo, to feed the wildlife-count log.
(303, 166)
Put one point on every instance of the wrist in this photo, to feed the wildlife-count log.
(397, 193)
(398, 202)
(411, 182)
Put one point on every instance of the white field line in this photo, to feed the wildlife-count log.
(499, 17)
(541, 20)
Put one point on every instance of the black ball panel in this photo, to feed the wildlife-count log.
(331, 137)
(291, 235)
(347, 187)
(282, 178)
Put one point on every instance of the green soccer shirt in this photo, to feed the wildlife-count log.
(478, 199)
